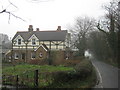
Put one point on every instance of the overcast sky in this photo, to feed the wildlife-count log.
(47, 15)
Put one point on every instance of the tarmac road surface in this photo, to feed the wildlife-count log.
(108, 75)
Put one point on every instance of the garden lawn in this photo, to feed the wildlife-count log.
(24, 68)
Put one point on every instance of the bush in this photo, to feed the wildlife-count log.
(67, 79)
(57, 57)
(71, 62)
(79, 57)
(65, 76)
(84, 68)
(60, 76)
(38, 62)
(50, 61)
(82, 71)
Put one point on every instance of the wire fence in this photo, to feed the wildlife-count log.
(29, 79)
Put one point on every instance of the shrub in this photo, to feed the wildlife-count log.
(65, 76)
(18, 61)
(71, 62)
(49, 61)
(84, 68)
(65, 79)
(60, 76)
(38, 62)
(57, 57)
(79, 57)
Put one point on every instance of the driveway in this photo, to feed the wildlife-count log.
(107, 75)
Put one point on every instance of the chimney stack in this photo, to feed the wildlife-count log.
(37, 29)
(30, 28)
(59, 28)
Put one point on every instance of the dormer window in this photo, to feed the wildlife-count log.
(19, 41)
(33, 42)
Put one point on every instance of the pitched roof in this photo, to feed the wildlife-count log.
(43, 46)
(43, 35)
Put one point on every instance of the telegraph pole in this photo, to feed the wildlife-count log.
(118, 46)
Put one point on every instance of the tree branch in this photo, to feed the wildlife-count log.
(8, 12)
(3, 11)
(98, 26)
(12, 4)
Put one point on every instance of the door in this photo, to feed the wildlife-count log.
(23, 56)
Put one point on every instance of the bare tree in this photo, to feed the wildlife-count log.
(110, 26)
(80, 31)
(111, 16)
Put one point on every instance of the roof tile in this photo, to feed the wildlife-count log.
(43, 35)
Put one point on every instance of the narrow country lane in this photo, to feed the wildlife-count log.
(108, 75)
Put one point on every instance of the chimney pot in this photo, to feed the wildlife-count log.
(59, 28)
(37, 29)
(30, 28)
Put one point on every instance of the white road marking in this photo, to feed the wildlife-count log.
(99, 75)
(101, 86)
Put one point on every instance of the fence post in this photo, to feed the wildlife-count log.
(36, 78)
(17, 79)
(27, 76)
(3, 79)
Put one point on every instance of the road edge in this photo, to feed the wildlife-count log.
(99, 78)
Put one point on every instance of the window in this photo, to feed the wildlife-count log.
(41, 55)
(33, 42)
(19, 41)
(33, 55)
(23, 56)
(16, 56)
